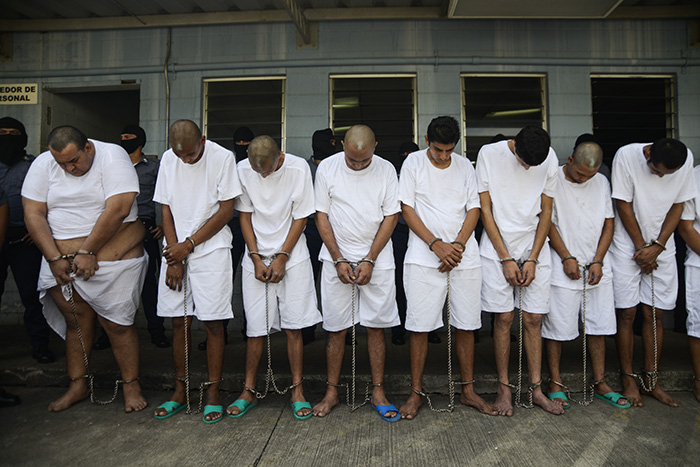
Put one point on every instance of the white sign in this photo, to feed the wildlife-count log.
(18, 94)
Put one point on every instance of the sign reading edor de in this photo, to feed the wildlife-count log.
(18, 94)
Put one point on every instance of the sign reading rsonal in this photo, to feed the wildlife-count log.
(17, 94)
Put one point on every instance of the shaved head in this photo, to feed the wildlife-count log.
(183, 133)
(262, 151)
(360, 137)
(588, 154)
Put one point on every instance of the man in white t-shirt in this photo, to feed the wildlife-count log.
(197, 184)
(516, 182)
(439, 202)
(357, 209)
(650, 184)
(278, 285)
(80, 210)
(581, 232)
(689, 228)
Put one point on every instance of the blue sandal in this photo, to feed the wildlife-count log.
(171, 408)
(384, 409)
(559, 395)
(212, 409)
(297, 406)
(612, 398)
(243, 405)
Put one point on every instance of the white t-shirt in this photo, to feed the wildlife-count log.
(193, 191)
(75, 203)
(691, 212)
(651, 196)
(516, 195)
(275, 202)
(441, 198)
(357, 201)
(580, 210)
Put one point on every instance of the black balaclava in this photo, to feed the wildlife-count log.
(131, 145)
(242, 133)
(323, 144)
(12, 146)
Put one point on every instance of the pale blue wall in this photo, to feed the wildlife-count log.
(438, 51)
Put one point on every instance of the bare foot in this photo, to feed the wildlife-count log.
(324, 407)
(504, 401)
(631, 391)
(410, 409)
(603, 389)
(662, 396)
(298, 396)
(133, 398)
(77, 391)
(246, 396)
(538, 398)
(472, 399)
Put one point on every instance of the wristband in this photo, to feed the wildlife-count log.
(191, 241)
(84, 252)
(283, 253)
(251, 253)
(509, 258)
(464, 247)
(646, 245)
(340, 260)
(595, 262)
(430, 245)
(367, 259)
(568, 257)
(532, 260)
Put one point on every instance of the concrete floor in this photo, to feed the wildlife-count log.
(268, 435)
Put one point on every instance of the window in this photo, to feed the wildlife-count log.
(257, 103)
(632, 109)
(494, 104)
(385, 103)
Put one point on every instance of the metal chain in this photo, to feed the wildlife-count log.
(270, 376)
(450, 383)
(652, 376)
(187, 349)
(89, 376)
(587, 389)
(519, 386)
(350, 395)
(202, 386)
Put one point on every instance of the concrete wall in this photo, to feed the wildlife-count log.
(436, 51)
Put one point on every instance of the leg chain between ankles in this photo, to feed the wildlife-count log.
(89, 376)
(270, 376)
(450, 383)
(652, 376)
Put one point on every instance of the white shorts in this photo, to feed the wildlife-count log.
(209, 288)
(113, 292)
(426, 292)
(692, 300)
(498, 296)
(631, 286)
(561, 323)
(375, 303)
(291, 302)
